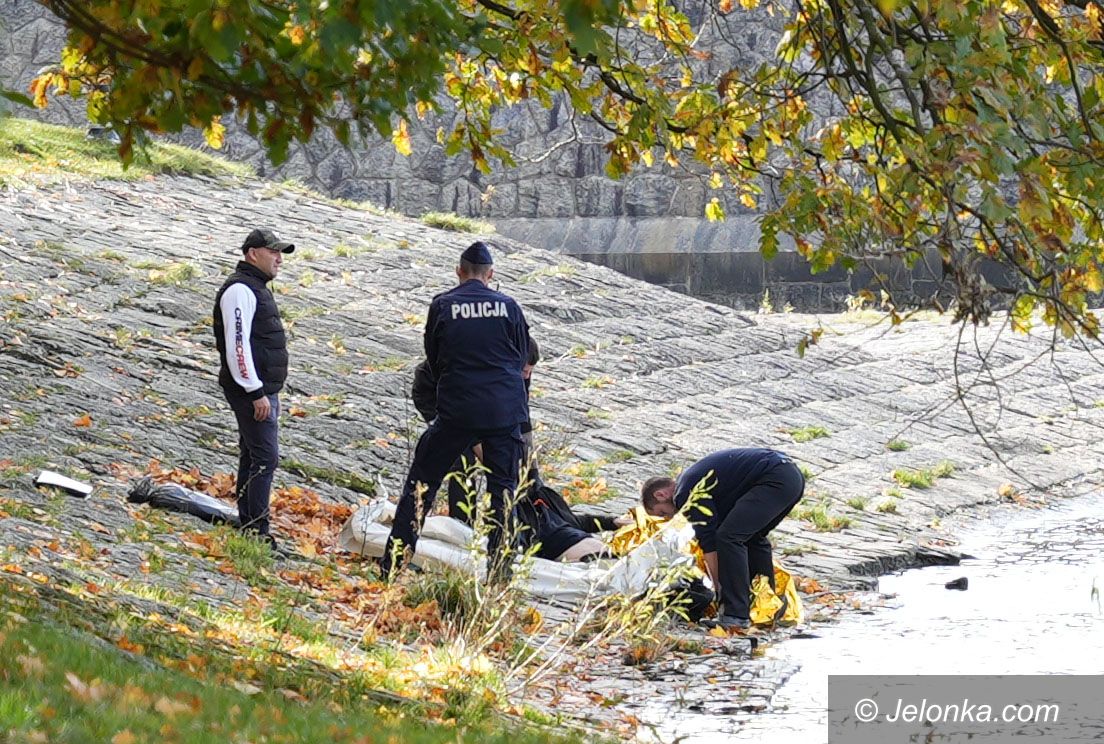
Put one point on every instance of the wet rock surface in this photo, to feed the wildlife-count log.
(107, 360)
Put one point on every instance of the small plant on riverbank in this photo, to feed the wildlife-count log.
(897, 445)
(821, 519)
(809, 433)
(857, 502)
(889, 506)
(924, 477)
(456, 223)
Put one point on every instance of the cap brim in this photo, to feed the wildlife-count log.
(285, 247)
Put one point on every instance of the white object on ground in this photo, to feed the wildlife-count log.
(448, 542)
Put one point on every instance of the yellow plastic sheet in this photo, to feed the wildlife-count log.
(766, 602)
(643, 528)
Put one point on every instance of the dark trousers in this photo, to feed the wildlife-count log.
(260, 454)
(461, 489)
(743, 550)
(437, 449)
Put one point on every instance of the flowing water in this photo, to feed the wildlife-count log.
(1029, 609)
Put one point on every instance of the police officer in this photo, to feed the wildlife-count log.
(476, 344)
(253, 365)
(424, 394)
(746, 494)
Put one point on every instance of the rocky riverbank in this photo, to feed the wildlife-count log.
(107, 362)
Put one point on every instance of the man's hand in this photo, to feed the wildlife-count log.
(623, 520)
(261, 408)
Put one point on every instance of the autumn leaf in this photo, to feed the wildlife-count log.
(718, 632)
(32, 666)
(83, 421)
(400, 138)
(124, 737)
(215, 133)
(170, 708)
(92, 692)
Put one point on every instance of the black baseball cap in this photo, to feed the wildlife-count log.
(266, 239)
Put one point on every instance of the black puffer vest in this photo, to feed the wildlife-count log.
(267, 340)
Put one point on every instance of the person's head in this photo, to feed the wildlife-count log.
(263, 250)
(658, 496)
(476, 263)
(534, 357)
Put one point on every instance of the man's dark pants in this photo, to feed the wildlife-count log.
(461, 488)
(743, 550)
(260, 454)
(437, 449)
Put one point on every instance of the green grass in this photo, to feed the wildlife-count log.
(251, 557)
(809, 433)
(821, 519)
(857, 502)
(897, 445)
(62, 685)
(598, 382)
(352, 481)
(889, 506)
(174, 274)
(30, 149)
(456, 223)
(923, 477)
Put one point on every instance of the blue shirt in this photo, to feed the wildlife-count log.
(476, 343)
(731, 473)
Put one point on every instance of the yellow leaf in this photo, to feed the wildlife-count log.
(215, 133)
(1093, 281)
(400, 138)
(714, 212)
(195, 68)
(170, 708)
(747, 200)
(718, 632)
(124, 737)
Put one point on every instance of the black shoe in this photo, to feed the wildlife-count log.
(731, 622)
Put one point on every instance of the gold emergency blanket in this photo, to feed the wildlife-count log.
(765, 602)
(643, 528)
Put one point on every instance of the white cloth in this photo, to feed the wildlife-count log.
(238, 305)
(446, 541)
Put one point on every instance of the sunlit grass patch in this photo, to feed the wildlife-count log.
(30, 148)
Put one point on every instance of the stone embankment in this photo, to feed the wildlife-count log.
(107, 359)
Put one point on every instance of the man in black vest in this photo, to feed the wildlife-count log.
(477, 344)
(253, 365)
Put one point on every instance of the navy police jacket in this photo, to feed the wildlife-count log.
(728, 475)
(476, 343)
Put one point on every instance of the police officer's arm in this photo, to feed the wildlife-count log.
(432, 341)
(238, 305)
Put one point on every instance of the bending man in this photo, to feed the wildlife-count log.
(746, 494)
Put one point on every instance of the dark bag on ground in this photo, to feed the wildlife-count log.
(177, 498)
